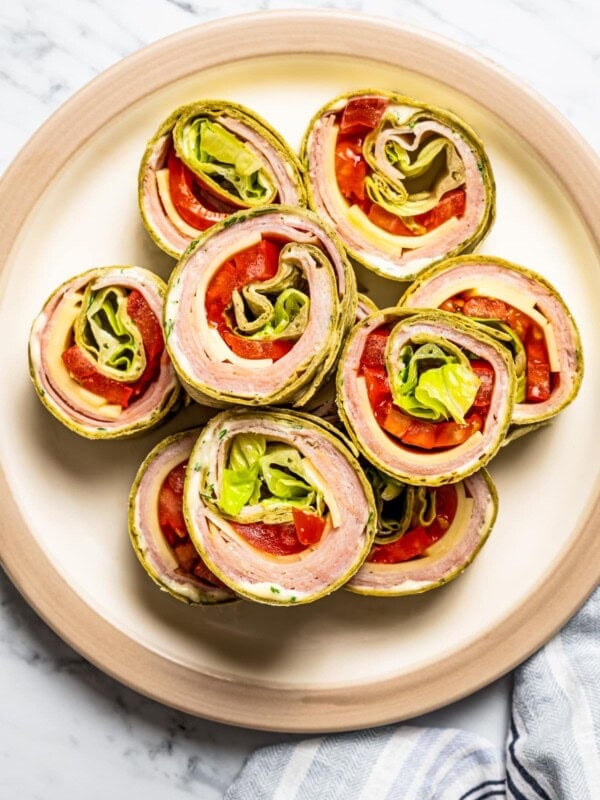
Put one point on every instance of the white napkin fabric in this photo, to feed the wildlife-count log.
(552, 750)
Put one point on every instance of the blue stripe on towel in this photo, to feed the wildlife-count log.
(527, 776)
(481, 786)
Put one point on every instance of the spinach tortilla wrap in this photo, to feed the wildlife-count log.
(206, 161)
(405, 184)
(257, 308)
(277, 505)
(425, 536)
(97, 356)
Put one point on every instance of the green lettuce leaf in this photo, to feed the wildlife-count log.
(277, 308)
(271, 476)
(106, 331)
(238, 487)
(450, 390)
(211, 150)
(287, 483)
(400, 507)
(422, 178)
(246, 449)
(432, 384)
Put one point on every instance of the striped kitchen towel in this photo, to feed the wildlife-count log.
(552, 750)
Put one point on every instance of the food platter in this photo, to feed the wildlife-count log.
(347, 661)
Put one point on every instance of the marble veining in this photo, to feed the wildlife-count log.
(66, 729)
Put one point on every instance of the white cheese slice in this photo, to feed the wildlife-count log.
(315, 477)
(389, 241)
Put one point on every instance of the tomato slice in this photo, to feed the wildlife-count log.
(519, 322)
(453, 304)
(415, 542)
(446, 503)
(485, 308)
(452, 204)
(373, 354)
(186, 555)
(350, 168)
(538, 382)
(170, 506)
(182, 186)
(173, 527)
(176, 478)
(255, 349)
(450, 434)
(219, 291)
(309, 527)
(387, 221)
(396, 422)
(538, 386)
(82, 370)
(362, 114)
(484, 372)
(152, 337)
(150, 329)
(279, 539)
(378, 390)
(421, 433)
(257, 263)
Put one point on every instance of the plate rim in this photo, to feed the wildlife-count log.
(567, 582)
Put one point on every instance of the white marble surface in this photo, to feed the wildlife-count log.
(66, 729)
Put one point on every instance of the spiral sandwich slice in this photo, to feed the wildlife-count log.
(525, 313)
(277, 506)
(426, 397)
(208, 160)
(157, 527)
(425, 536)
(97, 355)
(257, 308)
(405, 184)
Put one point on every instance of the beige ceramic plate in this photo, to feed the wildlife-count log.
(69, 203)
